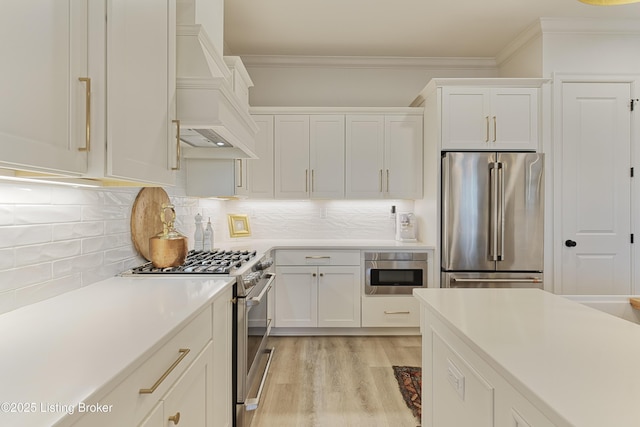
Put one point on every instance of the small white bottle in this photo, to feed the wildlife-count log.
(208, 237)
(198, 238)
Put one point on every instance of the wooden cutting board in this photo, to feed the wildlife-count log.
(145, 218)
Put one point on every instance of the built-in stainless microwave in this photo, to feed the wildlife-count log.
(394, 273)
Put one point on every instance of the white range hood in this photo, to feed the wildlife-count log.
(214, 121)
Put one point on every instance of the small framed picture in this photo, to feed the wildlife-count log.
(239, 225)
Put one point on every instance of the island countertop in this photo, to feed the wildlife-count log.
(576, 364)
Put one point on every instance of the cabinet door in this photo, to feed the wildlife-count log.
(221, 396)
(292, 156)
(43, 111)
(403, 157)
(514, 118)
(155, 417)
(189, 401)
(296, 297)
(326, 146)
(466, 118)
(256, 176)
(141, 138)
(339, 296)
(364, 156)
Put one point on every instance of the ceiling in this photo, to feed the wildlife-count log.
(393, 28)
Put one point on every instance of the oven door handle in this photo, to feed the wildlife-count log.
(252, 404)
(257, 300)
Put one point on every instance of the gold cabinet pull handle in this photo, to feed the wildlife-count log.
(175, 418)
(177, 167)
(397, 312)
(313, 180)
(306, 180)
(387, 180)
(495, 129)
(381, 189)
(87, 81)
(241, 175)
(183, 353)
(487, 138)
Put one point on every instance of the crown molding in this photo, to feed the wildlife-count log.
(531, 33)
(590, 26)
(302, 61)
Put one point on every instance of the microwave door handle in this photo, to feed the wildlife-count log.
(524, 280)
(257, 300)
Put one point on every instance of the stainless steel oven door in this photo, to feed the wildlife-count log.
(394, 273)
(253, 357)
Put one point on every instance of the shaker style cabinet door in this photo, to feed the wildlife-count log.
(364, 156)
(326, 156)
(489, 118)
(43, 109)
(403, 157)
(141, 76)
(292, 156)
(255, 177)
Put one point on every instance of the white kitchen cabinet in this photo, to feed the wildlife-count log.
(383, 156)
(221, 396)
(395, 311)
(309, 156)
(255, 177)
(317, 289)
(44, 110)
(56, 81)
(141, 132)
(489, 118)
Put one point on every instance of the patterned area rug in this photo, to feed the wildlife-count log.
(410, 382)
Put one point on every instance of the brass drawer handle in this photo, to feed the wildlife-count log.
(175, 418)
(177, 123)
(397, 312)
(183, 353)
(87, 81)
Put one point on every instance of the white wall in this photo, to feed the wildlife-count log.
(352, 82)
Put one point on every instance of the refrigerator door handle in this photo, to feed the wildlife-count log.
(526, 280)
(493, 215)
(501, 211)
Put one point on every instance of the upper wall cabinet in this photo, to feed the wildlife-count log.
(141, 86)
(384, 156)
(309, 156)
(255, 177)
(88, 96)
(43, 80)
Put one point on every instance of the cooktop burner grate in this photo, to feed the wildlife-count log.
(202, 262)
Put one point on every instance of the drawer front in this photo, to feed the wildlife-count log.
(317, 257)
(393, 311)
(127, 404)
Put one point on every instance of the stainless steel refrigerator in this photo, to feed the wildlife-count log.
(492, 219)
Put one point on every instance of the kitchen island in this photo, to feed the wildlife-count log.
(525, 357)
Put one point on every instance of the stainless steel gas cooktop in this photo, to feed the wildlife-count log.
(202, 262)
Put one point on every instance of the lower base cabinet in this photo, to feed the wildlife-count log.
(186, 382)
(392, 311)
(465, 390)
(317, 289)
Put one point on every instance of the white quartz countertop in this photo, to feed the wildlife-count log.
(62, 350)
(274, 244)
(574, 362)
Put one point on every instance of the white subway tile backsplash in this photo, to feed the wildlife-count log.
(6, 215)
(15, 278)
(7, 301)
(7, 259)
(46, 214)
(105, 212)
(69, 266)
(12, 236)
(42, 291)
(26, 255)
(77, 230)
(12, 194)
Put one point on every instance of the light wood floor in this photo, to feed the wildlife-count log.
(337, 382)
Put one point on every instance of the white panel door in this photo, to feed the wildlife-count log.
(292, 156)
(403, 157)
(364, 156)
(339, 296)
(141, 75)
(43, 110)
(255, 177)
(596, 189)
(327, 156)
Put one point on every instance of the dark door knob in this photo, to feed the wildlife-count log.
(570, 243)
